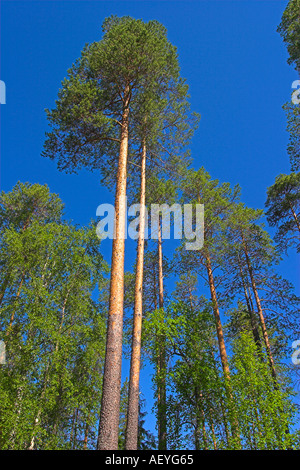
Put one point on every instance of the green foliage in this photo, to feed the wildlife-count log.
(293, 128)
(54, 333)
(283, 209)
(54, 290)
(265, 414)
(130, 67)
(26, 203)
(230, 228)
(289, 29)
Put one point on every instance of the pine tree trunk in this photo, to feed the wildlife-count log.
(131, 439)
(260, 313)
(220, 335)
(213, 431)
(110, 403)
(199, 408)
(87, 426)
(162, 418)
(86, 434)
(204, 435)
(197, 434)
(250, 311)
(154, 285)
(225, 421)
(221, 400)
(262, 321)
(222, 348)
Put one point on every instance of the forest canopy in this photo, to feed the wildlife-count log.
(214, 325)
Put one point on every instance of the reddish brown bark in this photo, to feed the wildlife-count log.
(86, 433)
(260, 313)
(222, 347)
(131, 441)
(110, 403)
(162, 418)
(248, 299)
(221, 400)
(220, 335)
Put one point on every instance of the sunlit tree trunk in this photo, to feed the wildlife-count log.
(260, 313)
(220, 335)
(162, 418)
(110, 404)
(201, 417)
(221, 343)
(131, 441)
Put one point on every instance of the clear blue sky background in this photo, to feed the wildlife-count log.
(230, 53)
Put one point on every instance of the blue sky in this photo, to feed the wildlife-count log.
(230, 53)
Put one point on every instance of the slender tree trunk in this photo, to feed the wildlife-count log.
(162, 418)
(75, 428)
(19, 401)
(199, 421)
(191, 299)
(110, 403)
(204, 430)
(199, 408)
(47, 372)
(254, 329)
(260, 313)
(222, 347)
(86, 434)
(221, 400)
(197, 433)
(213, 431)
(225, 421)
(72, 429)
(131, 438)
(256, 422)
(160, 267)
(3, 287)
(262, 321)
(154, 286)
(39, 412)
(220, 335)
